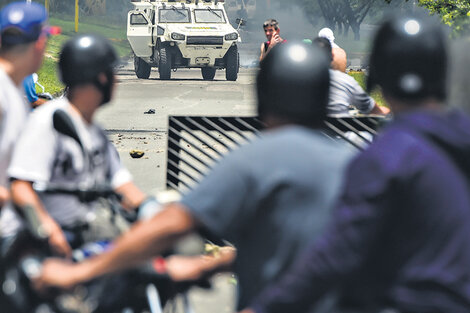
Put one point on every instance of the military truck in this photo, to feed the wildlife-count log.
(172, 34)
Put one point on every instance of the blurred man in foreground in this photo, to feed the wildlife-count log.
(400, 236)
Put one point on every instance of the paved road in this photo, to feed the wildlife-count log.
(129, 128)
(186, 94)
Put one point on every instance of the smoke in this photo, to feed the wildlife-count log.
(292, 22)
(459, 75)
(295, 25)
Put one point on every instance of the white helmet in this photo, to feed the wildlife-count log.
(328, 34)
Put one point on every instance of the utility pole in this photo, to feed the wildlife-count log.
(76, 16)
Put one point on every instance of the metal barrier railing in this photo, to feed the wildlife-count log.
(195, 143)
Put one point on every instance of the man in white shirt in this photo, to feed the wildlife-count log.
(45, 155)
(23, 32)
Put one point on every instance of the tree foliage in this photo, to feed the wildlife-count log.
(340, 15)
(455, 13)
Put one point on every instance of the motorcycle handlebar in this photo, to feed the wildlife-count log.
(84, 194)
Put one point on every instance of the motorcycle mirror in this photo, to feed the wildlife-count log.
(64, 125)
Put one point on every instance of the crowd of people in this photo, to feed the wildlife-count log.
(315, 227)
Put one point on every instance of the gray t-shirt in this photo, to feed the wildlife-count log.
(346, 91)
(43, 155)
(270, 198)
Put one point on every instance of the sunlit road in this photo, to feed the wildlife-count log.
(129, 128)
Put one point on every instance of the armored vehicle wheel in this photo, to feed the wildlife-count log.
(164, 67)
(208, 73)
(231, 64)
(142, 69)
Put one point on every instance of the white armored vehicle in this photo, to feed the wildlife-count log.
(172, 34)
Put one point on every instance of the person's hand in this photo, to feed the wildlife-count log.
(275, 40)
(57, 240)
(380, 110)
(384, 110)
(247, 311)
(185, 268)
(38, 102)
(57, 273)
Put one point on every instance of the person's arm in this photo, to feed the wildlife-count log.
(262, 53)
(32, 160)
(121, 180)
(274, 41)
(190, 268)
(379, 110)
(4, 196)
(4, 150)
(132, 196)
(199, 208)
(38, 102)
(144, 240)
(23, 195)
(362, 101)
(30, 89)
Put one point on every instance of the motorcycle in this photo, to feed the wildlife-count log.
(138, 290)
(145, 288)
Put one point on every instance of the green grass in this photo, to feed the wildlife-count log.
(116, 33)
(48, 77)
(48, 72)
(360, 77)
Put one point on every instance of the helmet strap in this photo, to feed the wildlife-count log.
(105, 88)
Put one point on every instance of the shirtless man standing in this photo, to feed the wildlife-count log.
(271, 30)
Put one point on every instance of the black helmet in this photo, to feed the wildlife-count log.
(409, 58)
(83, 58)
(293, 83)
